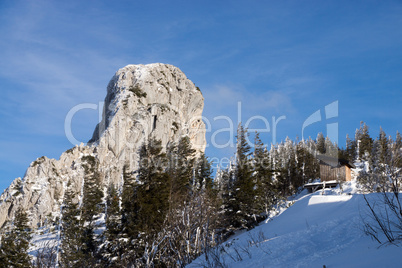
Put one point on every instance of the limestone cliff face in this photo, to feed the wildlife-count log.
(142, 101)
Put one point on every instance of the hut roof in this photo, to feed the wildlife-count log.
(334, 162)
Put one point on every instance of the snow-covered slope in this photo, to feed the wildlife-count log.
(319, 229)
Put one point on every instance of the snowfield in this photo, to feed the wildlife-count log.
(323, 228)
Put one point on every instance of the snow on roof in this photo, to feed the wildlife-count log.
(333, 161)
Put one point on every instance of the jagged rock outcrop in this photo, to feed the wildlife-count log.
(143, 101)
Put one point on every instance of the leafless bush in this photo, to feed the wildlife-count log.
(46, 256)
(385, 219)
(214, 258)
(385, 214)
(256, 239)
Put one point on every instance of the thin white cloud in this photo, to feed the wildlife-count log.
(222, 97)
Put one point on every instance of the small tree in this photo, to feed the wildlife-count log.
(15, 243)
(240, 205)
(111, 250)
(92, 206)
(350, 149)
(321, 143)
(181, 168)
(262, 176)
(152, 195)
(71, 235)
(203, 175)
(364, 141)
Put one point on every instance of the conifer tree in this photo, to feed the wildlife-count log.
(112, 213)
(224, 180)
(383, 150)
(364, 141)
(262, 177)
(91, 207)
(92, 192)
(129, 235)
(311, 167)
(181, 168)
(350, 149)
(243, 194)
(112, 248)
(128, 228)
(397, 150)
(152, 195)
(15, 243)
(203, 174)
(301, 163)
(71, 236)
(291, 172)
(80, 245)
(321, 143)
(331, 148)
(145, 203)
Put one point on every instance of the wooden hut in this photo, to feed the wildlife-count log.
(334, 169)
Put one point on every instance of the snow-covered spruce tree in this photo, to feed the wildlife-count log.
(293, 164)
(209, 188)
(14, 244)
(71, 236)
(91, 207)
(79, 244)
(291, 169)
(181, 157)
(383, 147)
(364, 141)
(208, 203)
(112, 249)
(262, 176)
(145, 203)
(376, 177)
(321, 143)
(311, 166)
(350, 149)
(153, 192)
(145, 215)
(331, 148)
(128, 223)
(282, 181)
(279, 182)
(224, 185)
(203, 175)
(240, 206)
(127, 199)
(303, 162)
(397, 147)
(151, 198)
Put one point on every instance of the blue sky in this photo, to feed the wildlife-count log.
(278, 58)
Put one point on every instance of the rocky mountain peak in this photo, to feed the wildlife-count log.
(158, 100)
(142, 101)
